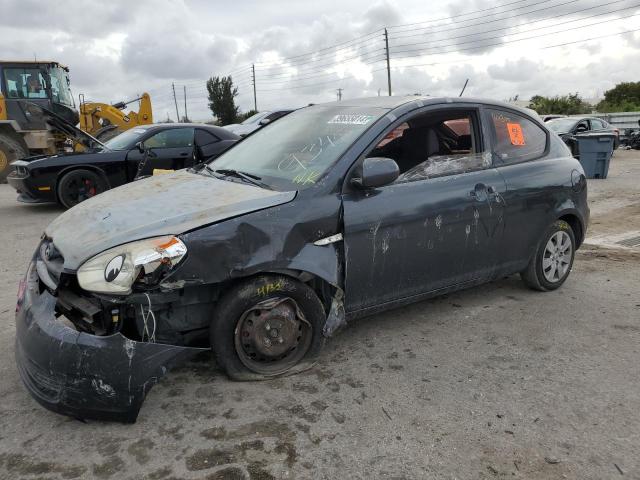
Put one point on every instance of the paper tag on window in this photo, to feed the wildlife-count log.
(515, 134)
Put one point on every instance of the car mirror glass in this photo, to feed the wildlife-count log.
(376, 172)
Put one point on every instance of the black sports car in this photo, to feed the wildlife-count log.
(71, 178)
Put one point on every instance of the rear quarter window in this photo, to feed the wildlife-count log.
(515, 137)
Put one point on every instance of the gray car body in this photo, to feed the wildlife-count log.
(401, 243)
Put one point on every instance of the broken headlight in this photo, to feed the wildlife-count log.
(144, 262)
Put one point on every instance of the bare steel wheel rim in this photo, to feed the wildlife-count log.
(556, 259)
(272, 336)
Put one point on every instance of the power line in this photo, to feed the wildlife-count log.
(315, 67)
(457, 16)
(516, 26)
(348, 42)
(292, 77)
(517, 14)
(422, 53)
(321, 72)
(539, 48)
(314, 63)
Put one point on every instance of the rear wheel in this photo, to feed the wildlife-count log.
(268, 326)
(10, 150)
(79, 185)
(552, 262)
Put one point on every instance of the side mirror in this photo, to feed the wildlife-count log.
(377, 172)
(140, 147)
(264, 121)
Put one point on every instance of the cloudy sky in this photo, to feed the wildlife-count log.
(304, 51)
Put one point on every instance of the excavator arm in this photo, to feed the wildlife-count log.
(104, 121)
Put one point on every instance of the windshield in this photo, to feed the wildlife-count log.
(60, 87)
(255, 118)
(125, 140)
(296, 151)
(561, 124)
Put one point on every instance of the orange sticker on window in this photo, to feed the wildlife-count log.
(515, 134)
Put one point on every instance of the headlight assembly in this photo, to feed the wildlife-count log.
(144, 262)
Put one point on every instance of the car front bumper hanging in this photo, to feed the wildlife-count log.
(83, 375)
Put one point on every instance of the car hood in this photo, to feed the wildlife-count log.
(73, 158)
(162, 205)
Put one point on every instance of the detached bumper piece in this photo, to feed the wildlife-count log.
(82, 375)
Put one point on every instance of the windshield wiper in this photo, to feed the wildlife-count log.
(247, 177)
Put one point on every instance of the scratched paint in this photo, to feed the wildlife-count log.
(103, 388)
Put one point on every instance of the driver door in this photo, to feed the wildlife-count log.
(425, 232)
(170, 149)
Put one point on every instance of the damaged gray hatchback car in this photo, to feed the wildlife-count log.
(334, 212)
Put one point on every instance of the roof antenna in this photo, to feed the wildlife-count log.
(463, 88)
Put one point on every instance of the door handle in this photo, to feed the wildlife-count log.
(477, 190)
(184, 154)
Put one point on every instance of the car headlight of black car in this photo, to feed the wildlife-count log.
(144, 263)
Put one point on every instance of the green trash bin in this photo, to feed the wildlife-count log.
(594, 153)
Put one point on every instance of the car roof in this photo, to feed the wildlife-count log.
(393, 102)
(219, 132)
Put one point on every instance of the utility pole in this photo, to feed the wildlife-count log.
(176, 102)
(386, 47)
(339, 94)
(186, 117)
(255, 98)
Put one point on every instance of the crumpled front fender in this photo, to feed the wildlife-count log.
(82, 375)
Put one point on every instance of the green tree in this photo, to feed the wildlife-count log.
(570, 104)
(624, 97)
(221, 99)
(243, 116)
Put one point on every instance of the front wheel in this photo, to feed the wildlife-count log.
(268, 326)
(79, 185)
(551, 264)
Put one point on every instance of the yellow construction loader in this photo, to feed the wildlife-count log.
(38, 114)
(104, 121)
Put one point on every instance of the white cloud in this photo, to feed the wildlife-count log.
(120, 48)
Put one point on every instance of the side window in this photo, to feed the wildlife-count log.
(434, 144)
(204, 137)
(24, 83)
(173, 138)
(515, 138)
(583, 126)
(597, 124)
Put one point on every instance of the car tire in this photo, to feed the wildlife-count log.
(267, 326)
(551, 264)
(79, 185)
(10, 150)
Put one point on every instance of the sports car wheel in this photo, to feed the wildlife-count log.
(79, 185)
(268, 326)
